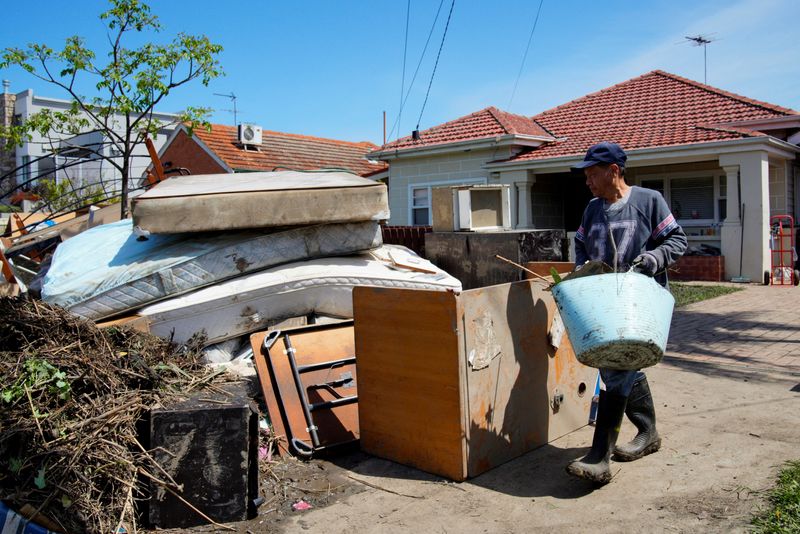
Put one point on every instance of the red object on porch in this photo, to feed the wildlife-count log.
(412, 237)
(782, 250)
(698, 268)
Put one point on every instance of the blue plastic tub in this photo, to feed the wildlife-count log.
(616, 321)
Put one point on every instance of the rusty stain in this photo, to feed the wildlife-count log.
(242, 264)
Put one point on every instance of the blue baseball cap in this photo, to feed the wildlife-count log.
(603, 153)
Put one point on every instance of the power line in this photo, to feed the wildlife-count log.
(405, 53)
(525, 55)
(441, 45)
(416, 71)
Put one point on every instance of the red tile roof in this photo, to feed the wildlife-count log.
(288, 151)
(652, 110)
(484, 124)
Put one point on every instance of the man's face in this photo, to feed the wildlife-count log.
(600, 179)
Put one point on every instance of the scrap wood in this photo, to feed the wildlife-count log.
(70, 398)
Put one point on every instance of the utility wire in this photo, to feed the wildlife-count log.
(525, 55)
(405, 53)
(416, 71)
(441, 45)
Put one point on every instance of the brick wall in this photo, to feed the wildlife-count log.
(700, 268)
(185, 152)
(412, 237)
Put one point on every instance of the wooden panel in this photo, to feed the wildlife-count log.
(508, 399)
(512, 408)
(442, 209)
(410, 378)
(542, 268)
(312, 344)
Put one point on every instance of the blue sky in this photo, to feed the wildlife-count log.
(330, 68)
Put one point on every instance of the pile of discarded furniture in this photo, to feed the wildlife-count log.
(285, 273)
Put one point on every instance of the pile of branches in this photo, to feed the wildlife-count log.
(70, 399)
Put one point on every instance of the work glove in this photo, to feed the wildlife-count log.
(645, 264)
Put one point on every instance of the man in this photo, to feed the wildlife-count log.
(631, 227)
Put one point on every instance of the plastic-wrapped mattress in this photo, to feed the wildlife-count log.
(258, 199)
(322, 286)
(106, 270)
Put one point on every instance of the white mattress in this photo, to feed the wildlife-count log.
(259, 199)
(324, 286)
(117, 273)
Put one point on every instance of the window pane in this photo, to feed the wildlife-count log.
(692, 198)
(420, 197)
(420, 216)
(658, 185)
(723, 209)
(723, 187)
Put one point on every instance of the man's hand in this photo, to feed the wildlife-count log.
(645, 264)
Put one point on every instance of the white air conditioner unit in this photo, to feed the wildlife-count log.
(249, 134)
(472, 208)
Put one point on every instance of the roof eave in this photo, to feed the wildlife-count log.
(469, 144)
(649, 156)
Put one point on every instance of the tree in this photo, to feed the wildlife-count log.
(130, 83)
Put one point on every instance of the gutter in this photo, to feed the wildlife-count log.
(471, 144)
(640, 154)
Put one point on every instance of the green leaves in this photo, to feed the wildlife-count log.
(555, 275)
(38, 376)
(131, 79)
(39, 480)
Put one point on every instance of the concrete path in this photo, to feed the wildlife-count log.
(728, 404)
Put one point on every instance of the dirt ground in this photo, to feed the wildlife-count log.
(725, 433)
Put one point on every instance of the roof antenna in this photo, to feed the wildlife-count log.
(704, 41)
(233, 99)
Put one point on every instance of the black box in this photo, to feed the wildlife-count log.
(211, 448)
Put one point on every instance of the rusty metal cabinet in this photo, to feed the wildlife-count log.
(456, 384)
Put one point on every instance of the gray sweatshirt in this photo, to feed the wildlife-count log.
(641, 222)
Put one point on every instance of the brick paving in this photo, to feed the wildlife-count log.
(758, 328)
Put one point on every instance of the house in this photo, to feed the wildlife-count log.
(725, 163)
(63, 156)
(223, 149)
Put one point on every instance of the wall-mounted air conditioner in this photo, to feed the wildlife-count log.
(471, 208)
(249, 134)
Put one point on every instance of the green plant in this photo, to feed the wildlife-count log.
(37, 375)
(784, 499)
(688, 294)
(131, 77)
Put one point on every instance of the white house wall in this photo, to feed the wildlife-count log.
(27, 104)
(434, 170)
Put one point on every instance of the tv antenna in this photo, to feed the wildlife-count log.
(704, 41)
(233, 99)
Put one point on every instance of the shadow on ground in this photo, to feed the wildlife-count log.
(538, 473)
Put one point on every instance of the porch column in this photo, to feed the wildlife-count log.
(750, 243)
(731, 231)
(524, 208)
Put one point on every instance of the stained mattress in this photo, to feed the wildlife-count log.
(107, 270)
(322, 286)
(259, 199)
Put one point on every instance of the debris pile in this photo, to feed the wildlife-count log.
(71, 397)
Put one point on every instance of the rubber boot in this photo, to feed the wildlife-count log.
(642, 413)
(594, 466)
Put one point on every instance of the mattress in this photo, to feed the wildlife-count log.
(258, 199)
(323, 286)
(107, 270)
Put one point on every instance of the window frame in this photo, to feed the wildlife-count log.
(429, 186)
(667, 178)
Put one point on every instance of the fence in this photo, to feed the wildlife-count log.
(412, 237)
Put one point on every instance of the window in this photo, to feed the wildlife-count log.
(658, 185)
(421, 206)
(419, 199)
(722, 199)
(692, 198)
